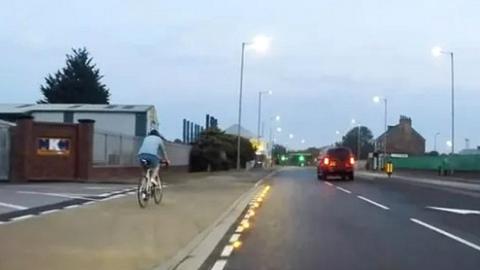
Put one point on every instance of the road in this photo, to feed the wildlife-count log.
(363, 224)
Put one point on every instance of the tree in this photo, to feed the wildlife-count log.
(278, 150)
(350, 140)
(216, 150)
(78, 82)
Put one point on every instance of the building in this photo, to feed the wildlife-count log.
(401, 139)
(245, 133)
(131, 120)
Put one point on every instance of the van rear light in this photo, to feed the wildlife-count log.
(326, 161)
(352, 160)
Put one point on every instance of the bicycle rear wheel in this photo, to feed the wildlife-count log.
(158, 191)
(142, 193)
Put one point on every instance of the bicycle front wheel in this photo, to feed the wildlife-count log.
(142, 192)
(158, 191)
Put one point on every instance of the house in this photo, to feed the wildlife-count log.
(132, 120)
(401, 139)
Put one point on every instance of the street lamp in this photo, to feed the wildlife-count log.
(260, 93)
(290, 136)
(272, 140)
(437, 51)
(377, 99)
(260, 44)
(358, 137)
(435, 141)
(302, 141)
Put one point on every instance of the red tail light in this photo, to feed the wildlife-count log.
(352, 160)
(326, 161)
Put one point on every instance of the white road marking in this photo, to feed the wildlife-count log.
(98, 188)
(87, 203)
(21, 217)
(344, 190)
(227, 250)
(234, 237)
(112, 197)
(14, 206)
(62, 195)
(374, 203)
(71, 206)
(219, 265)
(239, 229)
(456, 211)
(49, 211)
(447, 234)
(328, 183)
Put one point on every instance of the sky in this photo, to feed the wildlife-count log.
(326, 61)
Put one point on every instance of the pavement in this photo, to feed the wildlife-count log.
(369, 223)
(100, 226)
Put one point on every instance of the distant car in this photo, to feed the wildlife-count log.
(337, 161)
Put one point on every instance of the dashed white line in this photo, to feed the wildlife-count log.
(328, 183)
(49, 211)
(219, 265)
(447, 234)
(21, 217)
(71, 206)
(227, 250)
(14, 206)
(344, 190)
(90, 202)
(374, 203)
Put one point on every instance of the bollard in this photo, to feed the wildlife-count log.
(389, 169)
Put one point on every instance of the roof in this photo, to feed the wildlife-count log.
(6, 123)
(391, 128)
(233, 130)
(25, 108)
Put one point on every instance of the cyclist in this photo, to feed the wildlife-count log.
(153, 151)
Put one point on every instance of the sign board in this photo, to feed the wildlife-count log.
(399, 155)
(53, 146)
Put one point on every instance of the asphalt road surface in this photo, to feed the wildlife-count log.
(363, 224)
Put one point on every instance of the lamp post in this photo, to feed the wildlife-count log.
(260, 93)
(271, 140)
(358, 137)
(437, 51)
(259, 43)
(377, 99)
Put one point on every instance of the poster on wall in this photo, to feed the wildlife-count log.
(53, 146)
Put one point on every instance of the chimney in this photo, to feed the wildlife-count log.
(405, 121)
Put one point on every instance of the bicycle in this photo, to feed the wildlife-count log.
(148, 188)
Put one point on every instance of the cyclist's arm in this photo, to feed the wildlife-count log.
(163, 152)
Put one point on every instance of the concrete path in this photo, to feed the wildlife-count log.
(117, 234)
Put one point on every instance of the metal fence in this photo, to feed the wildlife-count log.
(115, 149)
(4, 152)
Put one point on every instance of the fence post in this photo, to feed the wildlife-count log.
(120, 154)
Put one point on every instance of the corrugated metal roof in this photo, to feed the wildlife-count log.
(24, 108)
(6, 123)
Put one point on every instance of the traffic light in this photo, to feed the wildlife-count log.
(301, 158)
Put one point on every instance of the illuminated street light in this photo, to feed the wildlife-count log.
(353, 121)
(260, 44)
(437, 51)
(302, 141)
(377, 99)
(337, 132)
(290, 136)
(279, 129)
(277, 118)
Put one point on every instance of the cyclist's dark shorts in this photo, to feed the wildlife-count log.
(153, 160)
